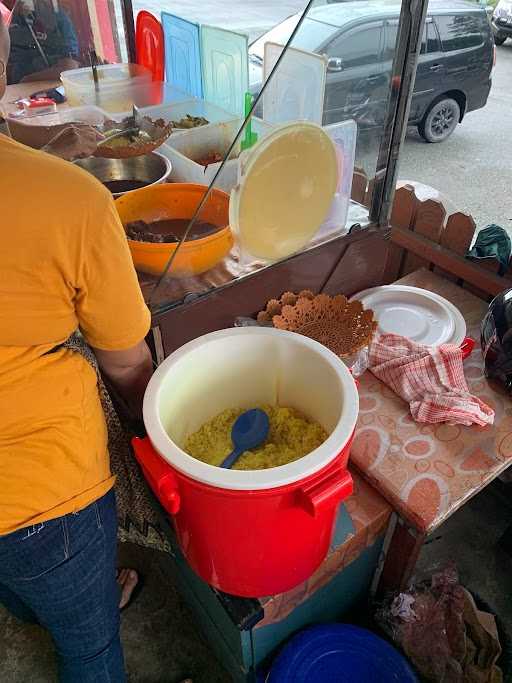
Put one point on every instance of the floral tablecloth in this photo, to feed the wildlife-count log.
(427, 472)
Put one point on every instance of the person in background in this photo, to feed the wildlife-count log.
(65, 265)
(43, 43)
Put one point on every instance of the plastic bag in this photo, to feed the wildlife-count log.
(432, 624)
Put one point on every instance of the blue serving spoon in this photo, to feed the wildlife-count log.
(249, 431)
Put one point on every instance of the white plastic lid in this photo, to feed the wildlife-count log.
(415, 313)
(297, 89)
(287, 184)
(182, 54)
(225, 67)
(109, 75)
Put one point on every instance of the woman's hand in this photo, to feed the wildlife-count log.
(69, 140)
(75, 141)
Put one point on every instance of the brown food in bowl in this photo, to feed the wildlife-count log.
(120, 186)
(151, 135)
(168, 231)
(211, 158)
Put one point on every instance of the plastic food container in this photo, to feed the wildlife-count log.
(299, 161)
(90, 115)
(175, 111)
(261, 532)
(184, 149)
(145, 96)
(80, 88)
(344, 136)
(177, 201)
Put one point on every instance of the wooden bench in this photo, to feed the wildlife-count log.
(427, 472)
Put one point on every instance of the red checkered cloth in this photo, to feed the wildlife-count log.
(431, 379)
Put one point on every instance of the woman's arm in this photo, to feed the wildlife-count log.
(32, 136)
(52, 73)
(68, 140)
(129, 373)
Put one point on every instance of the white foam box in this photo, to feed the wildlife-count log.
(183, 149)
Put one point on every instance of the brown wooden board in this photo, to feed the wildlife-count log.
(403, 214)
(362, 266)
(359, 185)
(457, 237)
(438, 255)
(401, 557)
(429, 223)
(458, 234)
(369, 193)
(219, 308)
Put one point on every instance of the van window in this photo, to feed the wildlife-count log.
(359, 47)
(429, 42)
(432, 39)
(459, 31)
(311, 36)
(390, 41)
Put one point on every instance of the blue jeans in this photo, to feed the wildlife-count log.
(62, 575)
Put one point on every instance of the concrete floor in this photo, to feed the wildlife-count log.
(161, 641)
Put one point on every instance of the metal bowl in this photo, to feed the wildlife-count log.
(143, 171)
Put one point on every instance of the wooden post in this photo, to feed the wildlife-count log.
(402, 216)
(429, 223)
(359, 185)
(403, 549)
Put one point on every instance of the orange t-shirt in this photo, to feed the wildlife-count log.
(64, 265)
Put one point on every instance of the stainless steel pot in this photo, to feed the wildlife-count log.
(149, 169)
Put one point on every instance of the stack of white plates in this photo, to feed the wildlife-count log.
(415, 313)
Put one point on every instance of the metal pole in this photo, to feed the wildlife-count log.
(129, 29)
(412, 22)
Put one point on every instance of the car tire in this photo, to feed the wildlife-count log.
(440, 120)
(499, 40)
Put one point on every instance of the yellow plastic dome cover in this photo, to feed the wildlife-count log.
(287, 186)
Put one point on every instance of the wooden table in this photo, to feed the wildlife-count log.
(427, 472)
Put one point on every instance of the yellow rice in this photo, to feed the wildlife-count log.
(291, 437)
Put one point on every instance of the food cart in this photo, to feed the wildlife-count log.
(367, 235)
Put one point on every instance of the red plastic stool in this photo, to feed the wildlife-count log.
(149, 41)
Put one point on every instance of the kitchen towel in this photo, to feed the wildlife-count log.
(430, 379)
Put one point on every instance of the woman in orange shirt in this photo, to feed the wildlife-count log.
(64, 265)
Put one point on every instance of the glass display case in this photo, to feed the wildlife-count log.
(268, 139)
(327, 79)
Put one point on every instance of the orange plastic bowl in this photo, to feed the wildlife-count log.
(178, 200)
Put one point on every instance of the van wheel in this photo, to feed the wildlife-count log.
(499, 40)
(440, 120)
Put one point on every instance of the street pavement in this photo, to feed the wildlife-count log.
(249, 16)
(473, 168)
